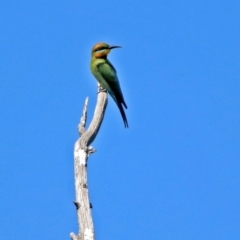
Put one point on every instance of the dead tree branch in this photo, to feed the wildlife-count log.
(82, 150)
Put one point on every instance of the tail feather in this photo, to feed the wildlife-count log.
(119, 103)
(124, 104)
(123, 115)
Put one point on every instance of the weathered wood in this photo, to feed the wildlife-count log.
(82, 150)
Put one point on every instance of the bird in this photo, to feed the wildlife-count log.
(106, 75)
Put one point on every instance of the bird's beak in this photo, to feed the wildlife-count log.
(111, 47)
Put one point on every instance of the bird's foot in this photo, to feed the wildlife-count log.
(101, 89)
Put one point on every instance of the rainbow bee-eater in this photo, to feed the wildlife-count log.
(106, 75)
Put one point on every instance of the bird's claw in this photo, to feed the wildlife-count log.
(101, 89)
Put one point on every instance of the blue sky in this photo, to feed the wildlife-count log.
(175, 173)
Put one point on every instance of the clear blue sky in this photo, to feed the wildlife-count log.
(175, 173)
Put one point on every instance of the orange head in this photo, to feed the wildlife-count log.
(101, 50)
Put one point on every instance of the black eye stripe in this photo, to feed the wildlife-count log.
(100, 48)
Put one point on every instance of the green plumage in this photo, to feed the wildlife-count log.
(106, 75)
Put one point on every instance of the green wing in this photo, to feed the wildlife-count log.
(109, 74)
(111, 83)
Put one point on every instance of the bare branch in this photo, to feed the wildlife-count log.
(74, 237)
(89, 136)
(83, 119)
(82, 150)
